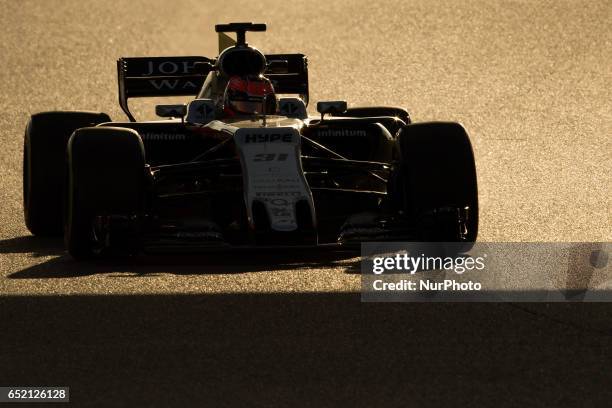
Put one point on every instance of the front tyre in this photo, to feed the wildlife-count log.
(435, 181)
(106, 178)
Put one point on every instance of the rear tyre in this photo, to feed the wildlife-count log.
(369, 111)
(435, 181)
(106, 177)
(44, 158)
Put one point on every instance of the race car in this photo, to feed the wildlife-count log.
(243, 164)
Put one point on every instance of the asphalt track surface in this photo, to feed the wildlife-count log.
(530, 80)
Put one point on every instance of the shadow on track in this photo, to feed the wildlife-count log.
(38, 246)
(297, 350)
(227, 262)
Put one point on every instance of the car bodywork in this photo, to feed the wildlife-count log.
(282, 178)
(246, 183)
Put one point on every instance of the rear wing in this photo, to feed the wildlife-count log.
(295, 80)
(157, 76)
(142, 77)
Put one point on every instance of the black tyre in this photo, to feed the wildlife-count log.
(369, 111)
(44, 160)
(436, 180)
(106, 176)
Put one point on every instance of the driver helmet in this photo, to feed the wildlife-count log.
(249, 95)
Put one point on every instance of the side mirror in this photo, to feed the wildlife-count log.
(331, 107)
(200, 111)
(292, 108)
(171, 111)
(203, 68)
(277, 67)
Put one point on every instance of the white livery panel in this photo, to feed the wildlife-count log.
(273, 174)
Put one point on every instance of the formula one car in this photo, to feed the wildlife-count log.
(243, 164)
